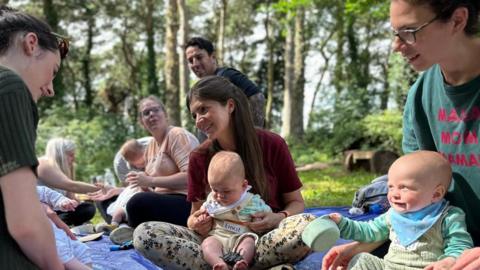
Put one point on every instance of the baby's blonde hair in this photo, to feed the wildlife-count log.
(225, 164)
(131, 150)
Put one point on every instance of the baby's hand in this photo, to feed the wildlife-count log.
(336, 217)
(445, 263)
(203, 216)
(255, 219)
(68, 205)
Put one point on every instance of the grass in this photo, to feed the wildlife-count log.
(97, 218)
(332, 186)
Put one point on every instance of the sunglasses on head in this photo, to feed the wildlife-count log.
(63, 44)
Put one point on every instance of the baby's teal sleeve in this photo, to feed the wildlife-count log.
(455, 236)
(364, 231)
(255, 205)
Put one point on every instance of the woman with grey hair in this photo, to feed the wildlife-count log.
(56, 170)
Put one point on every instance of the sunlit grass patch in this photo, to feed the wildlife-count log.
(332, 186)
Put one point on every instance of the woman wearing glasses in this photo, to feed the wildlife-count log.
(442, 112)
(30, 56)
(166, 167)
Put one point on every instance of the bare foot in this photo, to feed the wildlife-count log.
(220, 266)
(240, 265)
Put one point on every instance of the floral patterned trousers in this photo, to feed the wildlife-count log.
(175, 247)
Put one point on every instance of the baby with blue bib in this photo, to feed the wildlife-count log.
(425, 231)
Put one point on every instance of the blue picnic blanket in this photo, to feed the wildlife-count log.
(104, 259)
(314, 259)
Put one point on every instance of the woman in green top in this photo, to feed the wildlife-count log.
(30, 56)
(442, 113)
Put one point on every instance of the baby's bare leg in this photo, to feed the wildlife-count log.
(212, 253)
(118, 216)
(246, 248)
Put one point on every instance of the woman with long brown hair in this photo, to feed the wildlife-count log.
(221, 111)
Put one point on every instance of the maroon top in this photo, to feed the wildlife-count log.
(278, 163)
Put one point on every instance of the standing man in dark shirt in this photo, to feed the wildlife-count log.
(30, 56)
(200, 55)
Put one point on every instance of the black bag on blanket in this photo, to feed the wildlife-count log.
(371, 198)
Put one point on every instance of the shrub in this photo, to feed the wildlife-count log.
(383, 131)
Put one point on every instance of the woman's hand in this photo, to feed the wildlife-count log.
(469, 260)
(103, 195)
(263, 221)
(139, 179)
(200, 222)
(338, 257)
(443, 264)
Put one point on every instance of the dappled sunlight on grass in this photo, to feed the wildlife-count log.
(332, 186)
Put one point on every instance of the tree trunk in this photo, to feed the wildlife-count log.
(221, 33)
(171, 64)
(339, 55)
(187, 120)
(270, 70)
(134, 82)
(385, 94)
(299, 76)
(86, 61)
(323, 71)
(288, 81)
(151, 55)
(51, 15)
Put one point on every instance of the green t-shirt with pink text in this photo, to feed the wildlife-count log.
(446, 119)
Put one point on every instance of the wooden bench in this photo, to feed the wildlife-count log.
(370, 160)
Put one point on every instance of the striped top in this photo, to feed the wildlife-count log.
(18, 123)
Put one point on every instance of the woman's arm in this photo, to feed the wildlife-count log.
(106, 193)
(294, 204)
(26, 221)
(175, 181)
(53, 177)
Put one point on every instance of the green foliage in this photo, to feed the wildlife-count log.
(379, 131)
(374, 8)
(332, 186)
(97, 140)
(308, 152)
(384, 130)
(400, 76)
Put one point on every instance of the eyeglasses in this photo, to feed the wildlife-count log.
(408, 35)
(154, 110)
(63, 44)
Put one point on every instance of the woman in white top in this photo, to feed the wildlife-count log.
(56, 170)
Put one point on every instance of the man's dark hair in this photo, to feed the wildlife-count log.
(201, 43)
